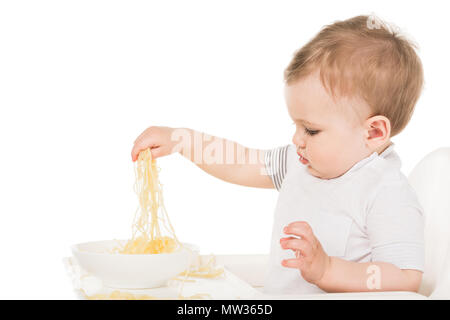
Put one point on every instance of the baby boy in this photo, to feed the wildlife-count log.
(346, 218)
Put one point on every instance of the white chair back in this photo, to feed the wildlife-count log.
(430, 178)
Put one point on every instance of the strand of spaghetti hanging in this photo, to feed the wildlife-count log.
(152, 231)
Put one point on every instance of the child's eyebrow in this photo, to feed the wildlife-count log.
(307, 122)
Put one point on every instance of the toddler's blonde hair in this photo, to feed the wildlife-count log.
(364, 57)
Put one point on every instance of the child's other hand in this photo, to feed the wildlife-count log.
(156, 138)
(311, 260)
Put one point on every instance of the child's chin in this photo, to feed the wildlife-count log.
(316, 174)
(312, 171)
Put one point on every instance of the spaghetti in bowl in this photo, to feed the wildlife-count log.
(132, 271)
(153, 254)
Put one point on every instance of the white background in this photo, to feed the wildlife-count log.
(79, 80)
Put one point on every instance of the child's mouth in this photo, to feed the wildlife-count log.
(303, 160)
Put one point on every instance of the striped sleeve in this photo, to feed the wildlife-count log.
(276, 164)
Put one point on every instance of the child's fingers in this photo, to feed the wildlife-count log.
(296, 244)
(293, 263)
(135, 151)
(140, 145)
(301, 229)
(137, 148)
(288, 238)
(156, 152)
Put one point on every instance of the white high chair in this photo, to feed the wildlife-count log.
(430, 178)
(431, 181)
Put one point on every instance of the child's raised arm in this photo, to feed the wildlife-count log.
(221, 158)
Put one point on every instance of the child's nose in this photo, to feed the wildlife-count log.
(298, 140)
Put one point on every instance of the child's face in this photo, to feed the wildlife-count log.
(335, 140)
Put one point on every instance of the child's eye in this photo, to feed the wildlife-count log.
(311, 132)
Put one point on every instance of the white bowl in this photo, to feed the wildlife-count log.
(132, 271)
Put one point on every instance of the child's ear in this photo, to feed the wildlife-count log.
(377, 131)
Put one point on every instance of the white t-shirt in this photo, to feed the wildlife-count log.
(370, 213)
